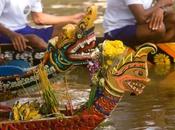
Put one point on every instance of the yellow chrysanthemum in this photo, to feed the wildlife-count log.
(113, 48)
(161, 59)
(111, 51)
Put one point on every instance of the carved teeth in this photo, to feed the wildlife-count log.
(136, 86)
(73, 51)
(83, 43)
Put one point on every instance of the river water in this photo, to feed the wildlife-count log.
(152, 110)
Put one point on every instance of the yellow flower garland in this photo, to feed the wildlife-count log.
(111, 50)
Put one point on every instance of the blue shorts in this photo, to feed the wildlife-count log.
(44, 33)
(126, 34)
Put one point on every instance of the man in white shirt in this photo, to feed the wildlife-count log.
(138, 21)
(14, 23)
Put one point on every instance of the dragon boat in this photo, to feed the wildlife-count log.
(73, 46)
(118, 72)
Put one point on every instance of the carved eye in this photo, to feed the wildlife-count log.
(79, 36)
(139, 73)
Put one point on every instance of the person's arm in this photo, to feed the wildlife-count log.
(167, 9)
(164, 3)
(47, 19)
(18, 40)
(142, 14)
(152, 16)
(157, 18)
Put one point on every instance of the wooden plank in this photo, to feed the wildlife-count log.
(168, 48)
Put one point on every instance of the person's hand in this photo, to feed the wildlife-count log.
(156, 19)
(77, 17)
(163, 3)
(18, 41)
(36, 42)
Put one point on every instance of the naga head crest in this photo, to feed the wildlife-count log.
(71, 33)
(74, 44)
(88, 20)
(129, 72)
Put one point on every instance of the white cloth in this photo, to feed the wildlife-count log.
(118, 15)
(14, 13)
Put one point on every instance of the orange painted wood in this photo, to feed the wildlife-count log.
(169, 48)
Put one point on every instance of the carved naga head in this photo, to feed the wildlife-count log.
(130, 73)
(75, 43)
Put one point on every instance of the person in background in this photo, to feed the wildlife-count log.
(138, 21)
(14, 26)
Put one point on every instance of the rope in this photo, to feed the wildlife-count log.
(69, 105)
